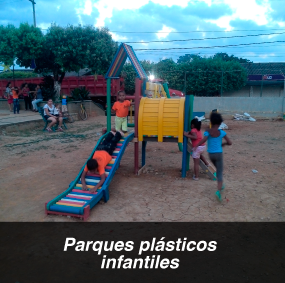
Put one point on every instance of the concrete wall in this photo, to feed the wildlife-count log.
(73, 107)
(255, 106)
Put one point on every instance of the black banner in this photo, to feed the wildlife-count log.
(142, 252)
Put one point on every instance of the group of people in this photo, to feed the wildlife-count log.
(31, 98)
(213, 136)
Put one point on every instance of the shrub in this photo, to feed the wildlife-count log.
(17, 75)
(80, 93)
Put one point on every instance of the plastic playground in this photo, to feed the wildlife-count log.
(155, 120)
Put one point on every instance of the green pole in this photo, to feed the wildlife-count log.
(108, 105)
(191, 104)
(165, 86)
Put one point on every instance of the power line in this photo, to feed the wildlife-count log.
(8, 2)
(206, 38)
(206, 47)
(240, 30)
(233, 47)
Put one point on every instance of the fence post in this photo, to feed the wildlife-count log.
(222, 83)
(261, 88)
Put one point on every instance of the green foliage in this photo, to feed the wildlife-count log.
(8, 42)
(17, 75)
(101, 49)
(30, 42)
(204, 75)
(226, 57)
(187, 58)
(129, 74)
(75, 47)
(80, 93)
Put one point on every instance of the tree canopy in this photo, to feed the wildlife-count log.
(60, 50)
(204, 76)
(7, 44)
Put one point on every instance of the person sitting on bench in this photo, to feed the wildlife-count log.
(100, 159)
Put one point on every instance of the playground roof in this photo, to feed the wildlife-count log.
(125, 51)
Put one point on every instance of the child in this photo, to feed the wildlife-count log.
(64, 104)
(15, 92)
(100, 159)
(215, 138)
(121, 108)
(196, 136)
(56, 111)
(9, 95)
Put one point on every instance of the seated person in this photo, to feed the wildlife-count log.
(50, 114)
(100, 159)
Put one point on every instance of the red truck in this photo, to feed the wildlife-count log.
(96, 85)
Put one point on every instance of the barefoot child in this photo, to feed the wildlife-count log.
(121, 108)
(196, 136)
(214, 136)
(100, 159)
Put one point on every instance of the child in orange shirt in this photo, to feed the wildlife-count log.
(121, 108)
(100, 159)
(15, 92)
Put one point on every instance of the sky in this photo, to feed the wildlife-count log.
(202, 24)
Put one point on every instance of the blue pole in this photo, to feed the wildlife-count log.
(185, 139)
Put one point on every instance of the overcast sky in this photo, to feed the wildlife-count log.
(166, 20)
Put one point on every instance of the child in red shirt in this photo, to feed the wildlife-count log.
(196, 136)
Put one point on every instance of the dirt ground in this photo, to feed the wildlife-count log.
(35, 167)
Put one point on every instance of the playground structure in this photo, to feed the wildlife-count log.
(155, 120)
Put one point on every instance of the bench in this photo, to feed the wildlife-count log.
(41, 111)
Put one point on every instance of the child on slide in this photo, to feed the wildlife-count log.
(214, 136)
(196, 136)
(100, 159)
(121, 109)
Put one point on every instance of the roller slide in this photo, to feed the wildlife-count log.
(76, 202)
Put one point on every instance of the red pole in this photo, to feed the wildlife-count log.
(137, 100)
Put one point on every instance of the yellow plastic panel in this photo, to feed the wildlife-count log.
(161, 117)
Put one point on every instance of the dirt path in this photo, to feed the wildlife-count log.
(35, 167)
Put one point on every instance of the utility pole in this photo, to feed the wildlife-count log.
(33, 2)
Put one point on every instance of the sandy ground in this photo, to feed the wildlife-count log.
(35, 167)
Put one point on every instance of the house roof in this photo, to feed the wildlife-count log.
(264, 68)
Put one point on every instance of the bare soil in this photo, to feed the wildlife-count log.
(35, 167)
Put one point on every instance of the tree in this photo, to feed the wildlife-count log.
(188, 58)
(8, 41)
(204, 76)
(129, 74)
(29, 44)
(73, 48)
(226, 57)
